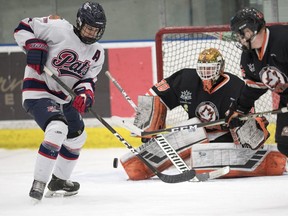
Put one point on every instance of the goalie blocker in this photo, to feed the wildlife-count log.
(151, 113)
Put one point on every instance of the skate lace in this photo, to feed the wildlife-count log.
(68, 183)
(38, 186)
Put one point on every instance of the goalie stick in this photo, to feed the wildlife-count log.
(160, 140)
(165, 145)
(193, 127)
(186, 176)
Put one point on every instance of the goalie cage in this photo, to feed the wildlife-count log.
(179, 47)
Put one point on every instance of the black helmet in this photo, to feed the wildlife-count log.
(247, 18)
(92, 14)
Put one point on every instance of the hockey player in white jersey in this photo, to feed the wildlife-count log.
(73, 53)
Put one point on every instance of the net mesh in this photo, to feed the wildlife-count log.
(180, 48)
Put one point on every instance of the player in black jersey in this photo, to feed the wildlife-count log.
(205, 94)
(264, 63)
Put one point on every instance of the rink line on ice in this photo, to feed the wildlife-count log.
(98, 137)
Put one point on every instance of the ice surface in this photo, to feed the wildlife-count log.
(105, 191)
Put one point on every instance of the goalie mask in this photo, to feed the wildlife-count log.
(90, 23)
(210, 66)
(246, 18)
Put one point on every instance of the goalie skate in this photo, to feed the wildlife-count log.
(61, 188)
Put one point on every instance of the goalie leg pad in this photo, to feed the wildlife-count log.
(243, 162)
(151, 113)
(181, 141)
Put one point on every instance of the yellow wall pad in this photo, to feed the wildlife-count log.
(97, 138)
(271, 128)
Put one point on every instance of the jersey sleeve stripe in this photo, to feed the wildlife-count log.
(257, 85)
(38, 85)
(23, 26)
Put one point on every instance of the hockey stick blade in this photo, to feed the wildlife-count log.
(182, 177)
(213, 174)
(125, 124)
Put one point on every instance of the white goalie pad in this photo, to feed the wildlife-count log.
(243, 161)
(219, 154)
(180, 141)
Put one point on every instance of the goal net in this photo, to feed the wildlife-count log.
(179, 47)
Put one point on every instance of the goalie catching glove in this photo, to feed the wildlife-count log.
(252, 134)
(151, 113)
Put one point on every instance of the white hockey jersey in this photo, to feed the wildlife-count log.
(75, 63)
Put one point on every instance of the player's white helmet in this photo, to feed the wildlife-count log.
(210, 66)
(91, 14)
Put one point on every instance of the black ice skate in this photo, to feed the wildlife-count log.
(37, 190)
(61, 188)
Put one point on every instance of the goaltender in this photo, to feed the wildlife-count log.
(205, 93)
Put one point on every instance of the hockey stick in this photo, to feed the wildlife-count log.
(193, 127)
(167, 148)
(134, 129)
(186, 176)
(124, 94)
(160, 140)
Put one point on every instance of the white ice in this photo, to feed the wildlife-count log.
(105, 191)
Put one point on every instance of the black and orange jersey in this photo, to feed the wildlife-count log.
(184, 88)
(266, 68)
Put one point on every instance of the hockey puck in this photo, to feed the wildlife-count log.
(115, 162)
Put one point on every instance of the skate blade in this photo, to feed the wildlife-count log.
(34, 201)
(51, 194)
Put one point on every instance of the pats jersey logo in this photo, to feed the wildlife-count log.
(207, 111)
(274, 79)
(68, 64)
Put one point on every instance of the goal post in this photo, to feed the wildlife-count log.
(179, 47)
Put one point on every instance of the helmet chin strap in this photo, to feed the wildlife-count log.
(251, 40)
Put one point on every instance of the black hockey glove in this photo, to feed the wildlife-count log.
(232, 115)
(37, 52)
